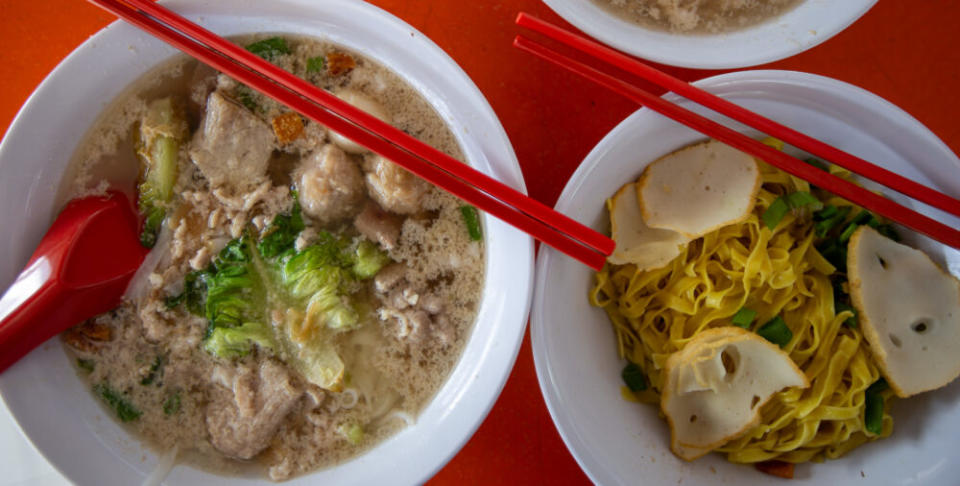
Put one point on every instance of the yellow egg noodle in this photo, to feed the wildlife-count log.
(775, 273)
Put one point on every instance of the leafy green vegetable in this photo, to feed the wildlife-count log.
(633, 376)
(369, 260)
(246, 97)
(157, 141)
(118, 402)
(269, 48)
(873, 406)
(775, 213)
(776, 331)
(314, 269)
(744, 317)
(172, 404)
(155, 372)
(236, 342)
(282, 233)
(251, 284)
(86, 364)
(472, 220)
(316, 64)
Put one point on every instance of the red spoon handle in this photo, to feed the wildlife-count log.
(25, 312)
(80, 269)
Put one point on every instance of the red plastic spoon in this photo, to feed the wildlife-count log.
(80, 269)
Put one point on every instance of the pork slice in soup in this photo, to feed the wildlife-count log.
(303, 298)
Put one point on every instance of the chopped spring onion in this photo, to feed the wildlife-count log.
(86, 364)
(863, 217)
(156, 371)
(172, 404)
(118, 402)
(775, 213)
(829, 218)
(776, 331)
(316, 64)
(245, 96)
(472, 220)
(889, 231)
(835, 253)
(873, 407)
(800, 199)
(850, 322)
(827, 212)
(633, 376)
(744, 317)
(816, 163)
(269, 48)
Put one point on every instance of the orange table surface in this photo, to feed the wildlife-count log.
(903, 50)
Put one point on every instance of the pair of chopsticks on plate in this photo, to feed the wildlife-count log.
(845, 189)
(507, 204)
(474, 187)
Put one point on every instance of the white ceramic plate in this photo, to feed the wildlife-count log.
(617, 442)
(809, 24)
(54, 408)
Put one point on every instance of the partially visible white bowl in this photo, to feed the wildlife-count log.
(55, 409)
(619, 443)
(809, 24)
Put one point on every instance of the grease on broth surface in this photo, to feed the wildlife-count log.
(336, 245)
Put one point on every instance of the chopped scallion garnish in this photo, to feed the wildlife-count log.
(873, 407)
(269, 48)
(889, 231)
(800, 199)
(86, 364)
(775, 213)
(829, 221)
(827, 212)
(816, 163)
(118, 402)
(316, 64)
(172, 404)
(744, 317)
(850, 322)
(776, 331)
(472, 220)
(633, 376)
(156, 371)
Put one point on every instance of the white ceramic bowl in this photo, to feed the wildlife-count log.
(617, 442)
(809, 24)
(55, 409)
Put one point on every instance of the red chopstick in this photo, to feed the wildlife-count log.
(484, 192)
(848, 190)
(790, 136)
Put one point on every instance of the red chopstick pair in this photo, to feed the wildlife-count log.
(792, 165)
(474, 187)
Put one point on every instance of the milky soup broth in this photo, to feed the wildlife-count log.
(697, 16)
(304, 298)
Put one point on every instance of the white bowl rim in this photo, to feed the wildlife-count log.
(539, 327)
(804, 27)
(488, 148)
